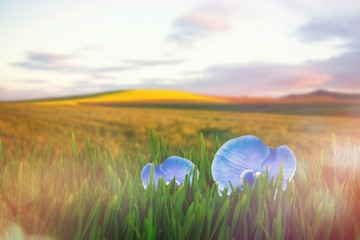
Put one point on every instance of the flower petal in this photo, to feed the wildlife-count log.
(145, 175)
(234, 157)
(281, 156)
(178, 168)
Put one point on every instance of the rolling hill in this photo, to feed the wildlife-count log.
(320, 102)
(324, 95)
(152, 96)
(137, 96)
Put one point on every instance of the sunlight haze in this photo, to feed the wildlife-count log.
(231, 48)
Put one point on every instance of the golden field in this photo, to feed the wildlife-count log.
(68, 196)
(125, 130)
(137, 95)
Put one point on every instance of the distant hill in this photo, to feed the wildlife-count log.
(136, 96)
(320, 102)
(150, 96)
(326, 95)
(175, 97)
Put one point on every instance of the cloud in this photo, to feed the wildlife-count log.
(43, 57)
(259, 79)
(320, 29)
(321, 7)
(309, 79)
(32, 81)
(344, 68)
(150, 83)
(25, 94)
(247, 79)
(199, 25)
(152, 62)
(45, 61)
(202, 22)
(341, 72)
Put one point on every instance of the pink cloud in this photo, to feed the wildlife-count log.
(202, 22)
(207, 21)
(309, 79)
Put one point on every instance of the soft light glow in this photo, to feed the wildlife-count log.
(75, 47)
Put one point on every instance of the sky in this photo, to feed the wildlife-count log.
(226, 47)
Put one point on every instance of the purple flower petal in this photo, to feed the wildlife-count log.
(172, 167)
(236, 156)
(281, 156)
(145, 175)
(178, 168)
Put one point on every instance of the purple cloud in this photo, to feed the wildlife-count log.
(345, 68)
(31, 81)
(340, 72)
(47, 58)
(319, 29)
(58, 63)
(43, 61)
(201, 22)
(152, 62)
(258, 79)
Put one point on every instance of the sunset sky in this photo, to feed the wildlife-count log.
(235, 48)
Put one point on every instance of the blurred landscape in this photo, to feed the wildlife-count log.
(92, 91)
(59, 155)
(121, 121)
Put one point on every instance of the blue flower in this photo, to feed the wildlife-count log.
(172, 167)
(245, 158)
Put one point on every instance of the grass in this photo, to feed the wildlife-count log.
(318, 109)
(126, 130)
(89, 187)
(93, 194)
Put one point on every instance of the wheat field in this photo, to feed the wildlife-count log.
(73, 172)
(126, 130)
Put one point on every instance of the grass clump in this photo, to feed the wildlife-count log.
(92, 194)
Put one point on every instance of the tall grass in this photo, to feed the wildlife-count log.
(92, 194)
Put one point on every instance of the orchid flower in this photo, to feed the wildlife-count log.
(245, 158)
(172, 167)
